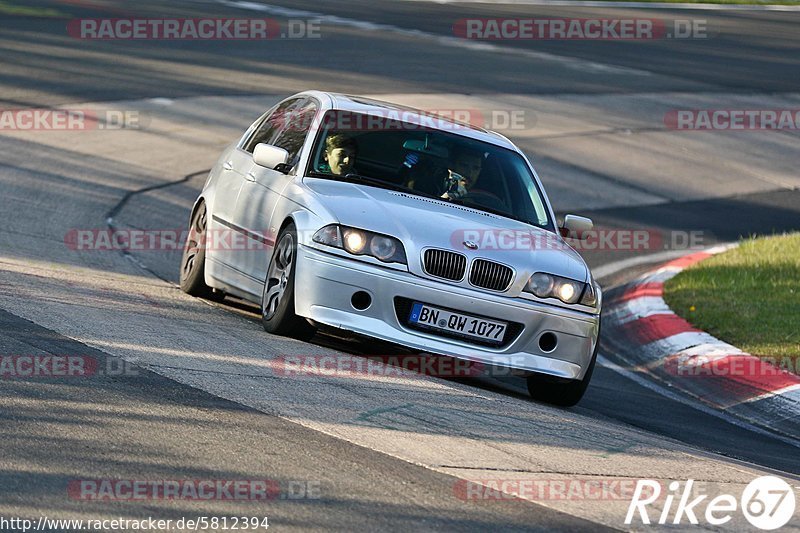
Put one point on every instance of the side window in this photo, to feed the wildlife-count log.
(295, 129)
(269, 127)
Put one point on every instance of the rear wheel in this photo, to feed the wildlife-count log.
(193, 262)
(562, 392)
(277, 300)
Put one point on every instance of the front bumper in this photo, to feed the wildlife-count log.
(325, 284)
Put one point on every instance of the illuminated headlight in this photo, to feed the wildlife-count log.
(566, 292)
(545, 285)
(354, 241)
(361, 242)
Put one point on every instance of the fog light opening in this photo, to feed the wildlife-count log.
(361, 300)
(548, 342)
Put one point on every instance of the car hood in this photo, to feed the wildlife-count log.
(421, 222)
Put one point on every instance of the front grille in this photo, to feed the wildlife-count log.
(403, 306)
(444, 264)
(490, 275)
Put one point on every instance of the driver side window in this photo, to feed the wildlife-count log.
(294, 128)
(269, 128)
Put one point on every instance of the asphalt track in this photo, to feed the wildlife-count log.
(203, 402)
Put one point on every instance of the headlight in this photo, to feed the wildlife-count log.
(545, 285)
(567, 292)
(361, 242)
(590, 296)
(382, 247)
(540, 283)
(354, 241)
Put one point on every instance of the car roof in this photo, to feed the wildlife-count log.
(359, 104)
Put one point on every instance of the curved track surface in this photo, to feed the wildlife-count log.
(201, 398)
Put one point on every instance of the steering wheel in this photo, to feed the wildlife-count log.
(485, 198)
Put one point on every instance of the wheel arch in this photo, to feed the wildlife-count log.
(305, 223)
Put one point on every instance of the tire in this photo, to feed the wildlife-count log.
(193, 261)
(277, 300)
(562, 392)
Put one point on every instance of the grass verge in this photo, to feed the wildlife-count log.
(748, 296)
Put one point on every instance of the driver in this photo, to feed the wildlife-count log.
(463, 173)
(340, 154)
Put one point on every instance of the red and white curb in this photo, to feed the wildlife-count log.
(650, 336)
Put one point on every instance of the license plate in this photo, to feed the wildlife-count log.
(459, 323)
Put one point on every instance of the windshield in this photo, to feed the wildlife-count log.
(389, 153)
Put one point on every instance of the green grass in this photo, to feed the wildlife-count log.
(9, 8)
(748, 296)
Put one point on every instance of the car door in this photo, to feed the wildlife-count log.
(262, 189)
(235, 165)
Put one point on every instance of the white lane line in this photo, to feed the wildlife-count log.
(642, 5)
(637, 308)
(771, 394)
(617, 266)
(652, 386)
(705, 352)
(445, 40)
(673, 344)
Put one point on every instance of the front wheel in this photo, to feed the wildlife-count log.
(277, 300)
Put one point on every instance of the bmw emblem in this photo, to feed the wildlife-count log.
(471, 245)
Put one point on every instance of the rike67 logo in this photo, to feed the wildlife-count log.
(767, 502)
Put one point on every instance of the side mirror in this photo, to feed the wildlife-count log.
(266, 155)
(574, 226)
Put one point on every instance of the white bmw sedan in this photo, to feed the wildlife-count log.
(402, 226)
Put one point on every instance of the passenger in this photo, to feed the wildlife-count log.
(340, 154)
